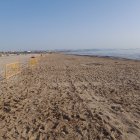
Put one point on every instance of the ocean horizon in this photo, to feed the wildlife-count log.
(120, 53)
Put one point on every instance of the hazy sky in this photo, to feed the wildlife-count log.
(69, 24)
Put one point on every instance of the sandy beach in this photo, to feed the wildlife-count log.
(71, 97)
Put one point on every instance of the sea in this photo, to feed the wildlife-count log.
(117, 53)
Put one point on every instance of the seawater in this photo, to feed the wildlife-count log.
(120, 53)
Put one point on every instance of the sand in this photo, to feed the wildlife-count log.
(71, 97)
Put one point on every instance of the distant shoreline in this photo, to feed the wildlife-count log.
(110, 57)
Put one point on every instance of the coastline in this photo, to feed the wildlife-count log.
(109, 57)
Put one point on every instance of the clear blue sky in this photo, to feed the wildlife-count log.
(69, 24)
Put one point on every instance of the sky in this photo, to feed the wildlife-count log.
(69, 24)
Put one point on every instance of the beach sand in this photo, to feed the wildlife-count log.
(71, 97)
